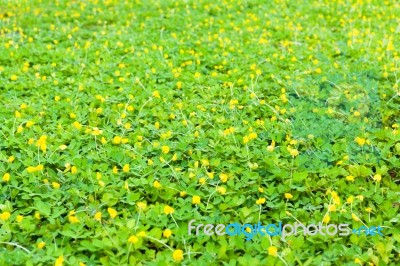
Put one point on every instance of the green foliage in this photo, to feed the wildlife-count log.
(116, 114)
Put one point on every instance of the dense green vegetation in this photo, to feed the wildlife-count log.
(124, 120)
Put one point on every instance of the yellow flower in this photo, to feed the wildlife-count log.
(355, 218)
(103, 140)
(260, 201)
(141, 234)
(196, 200)
(167, 233)
(221, 190)
(157, 184)
(96, 131)
(156, 94)
(17, 114)
(115, 170)
(55, 185)
(20, 129)
(97, 216)
(112, 212)
(368, 209)
(73, 219)
(59, 261)
(168, 209)
(37, 215)
(41, 245)
(62, 147)
(177, 255)
(350, 178)
(77, 125)
(350, 199)
(141, 205)
(19, 218)
(117, 140)
(294, 152)
(360, 141)
(197, 75)
(133, 239)
(11, 159)
(29, 124)
(326, 219)
(74, 170)
(6, 177)
(223, 177)
(126, 168)
(182, 193)
(377, 177)
(271, 147)
(358, 261)
(31, 169)
(165, 149)
(288, 196)
(5, 216)
(57, 98)
(14, 77)
(273, 251)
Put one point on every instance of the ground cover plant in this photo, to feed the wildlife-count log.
(121, 121)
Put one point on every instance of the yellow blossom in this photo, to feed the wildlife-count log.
(156, 94)
(5, 216)
(133, 239)
(157, 184)
(221, 190)
(117, 140)
(360, 141)
(223, 177)
(112, 212)
(167, 233)
(19, 218)
(168, 209)
(97, 216)
(125, 168)
(196, 200)
(377, 177)
(6, 177)
(41, 245)
(141, 205)
(273, 251)
(165, 149)
(115, 170)
(59, 261)
(271, 147)
(96, 131)
(355, 218)
(177, 255)
(260, 201)
(11, 159)
(73, 219)
(288, 196)
(77, 125)
(326, 219)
